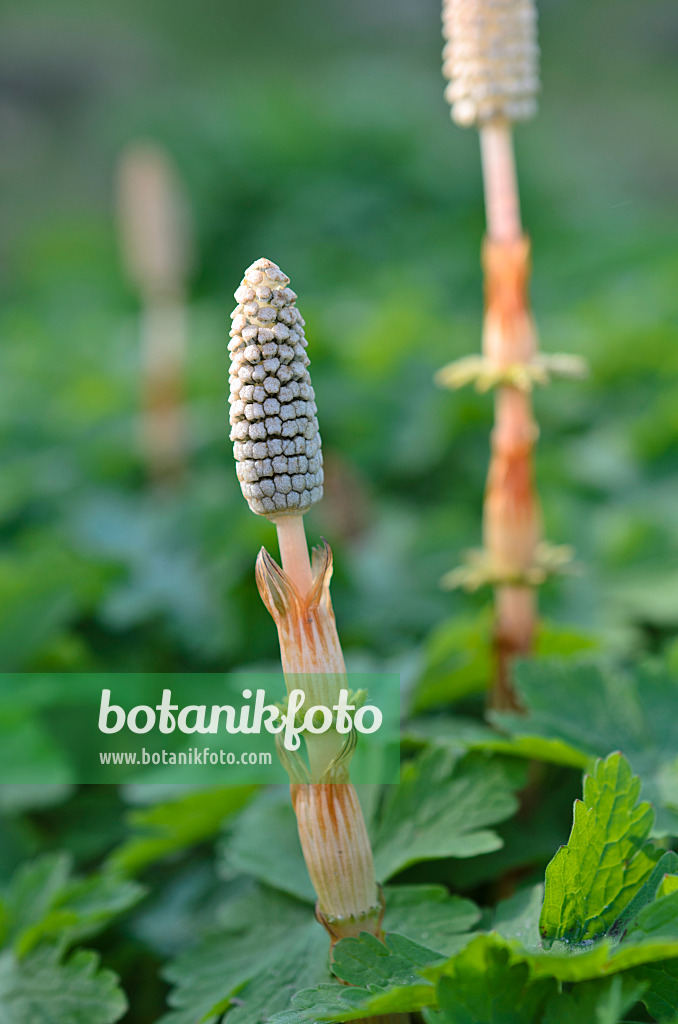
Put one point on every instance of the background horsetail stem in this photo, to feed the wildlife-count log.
(491, 60)
(156, 250)
(502, 202)
(279, 465)
(511, 518)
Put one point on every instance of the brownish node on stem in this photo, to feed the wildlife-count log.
(509, 332)
(512, 516)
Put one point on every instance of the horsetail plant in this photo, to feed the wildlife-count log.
(277, 448)
(156, 251)
(491, 61)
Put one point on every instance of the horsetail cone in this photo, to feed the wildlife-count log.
(491, 58)
(274, 427)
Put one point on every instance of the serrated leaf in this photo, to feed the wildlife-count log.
(384, 978)
(529, 838)
(607, 858)
(384, 975)
(167, 829)
(232, 962)
(482, 986)
(41, 988)
(265, 936)
(367, 963)
(442, 808)
(578, 712)
(577, 963)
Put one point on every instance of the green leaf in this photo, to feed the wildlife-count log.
(384, 978)
(232, 963)
(386, 975)
(529, 838)
(657, 919)
(595, 1002)
(607, 858)
(267, 946)
(173, 827)
(441, 809)
(518, 917)
(458, 657)
(482, 986)
(661, 995)
(668, 885)
(578, 712)
(367, 963)
(648, 892)
(41, 988)
(458, 661)
(43, 901)
(428, 915)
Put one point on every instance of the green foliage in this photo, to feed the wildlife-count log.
(43, 912)
(577, 712)
(665, 871)
(607, 858)
(607, 924)
(600, 1002)
(231, 966)
(170, 828)
(442, 808)
(43, 901)
(429, 916)
(263, 936)
(458, 657)
(384, 977)
(482, 986)
(43, 987)
(661, 995)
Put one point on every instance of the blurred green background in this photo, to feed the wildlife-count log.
(316, 134)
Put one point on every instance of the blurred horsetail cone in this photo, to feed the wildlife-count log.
(491, 58)
(274, 428)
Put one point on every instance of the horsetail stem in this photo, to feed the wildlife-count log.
(279, 466)
(156, 250)
(491, 60)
